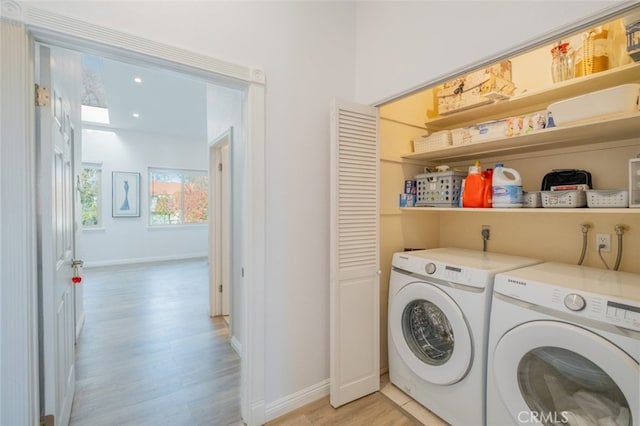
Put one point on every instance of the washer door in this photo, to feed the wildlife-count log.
(550, 373)
(430, 333)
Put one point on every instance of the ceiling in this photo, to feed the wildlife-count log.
(167, 103)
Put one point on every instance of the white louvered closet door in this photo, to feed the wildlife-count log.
(355, 276)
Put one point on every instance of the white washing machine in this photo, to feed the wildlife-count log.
(439, 303)
(564, 347)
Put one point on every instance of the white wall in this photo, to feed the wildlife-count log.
(403, 45)
(131, 239)
(306, 50)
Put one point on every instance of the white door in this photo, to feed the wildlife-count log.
(430, 333)
(549, 372)
(55, 143)
(354, 257)
(225, 201)
(220, 227)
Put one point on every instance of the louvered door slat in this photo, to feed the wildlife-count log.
(354, 337)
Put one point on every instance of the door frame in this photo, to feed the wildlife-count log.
(28, 24)
(217, 204)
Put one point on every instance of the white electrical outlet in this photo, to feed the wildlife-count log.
(603, 240)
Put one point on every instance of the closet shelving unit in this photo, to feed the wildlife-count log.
(605, 129)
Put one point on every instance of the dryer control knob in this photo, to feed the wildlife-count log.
(430, 268)
(574, 302)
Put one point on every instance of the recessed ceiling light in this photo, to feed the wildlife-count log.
(137, 80)
(135, 115)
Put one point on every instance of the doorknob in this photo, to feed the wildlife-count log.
(76, 264)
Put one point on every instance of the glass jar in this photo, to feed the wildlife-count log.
(593, 56)
(562, 66)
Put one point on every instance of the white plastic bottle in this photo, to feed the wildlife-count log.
(506, 189)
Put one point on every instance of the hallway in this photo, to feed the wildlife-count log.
(149, 354)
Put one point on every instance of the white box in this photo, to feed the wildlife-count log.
(614, 101)
(432, 142)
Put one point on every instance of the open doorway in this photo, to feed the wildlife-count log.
(35, 25)
(143, 186)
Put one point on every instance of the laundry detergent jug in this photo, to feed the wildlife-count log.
(506, 189)
(473, 193)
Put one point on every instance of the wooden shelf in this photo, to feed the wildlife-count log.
(604, 130)
(524, 210)
(538, 100)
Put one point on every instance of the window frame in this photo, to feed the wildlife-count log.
(182, 173)
(86, 165)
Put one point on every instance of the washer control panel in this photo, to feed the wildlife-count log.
(574, 302)
(621, 312)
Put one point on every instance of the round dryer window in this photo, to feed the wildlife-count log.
(570, 387)
(565, 374)
(430, 333)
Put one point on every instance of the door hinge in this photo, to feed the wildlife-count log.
(220, 166)
(42, 96)
(220, 288)
(47, 420)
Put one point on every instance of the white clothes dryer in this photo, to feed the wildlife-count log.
(439, 303)
(564, 347)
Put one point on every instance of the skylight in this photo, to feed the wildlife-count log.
(94, 102)
(94, 114)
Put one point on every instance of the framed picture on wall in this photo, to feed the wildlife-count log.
(125, 189)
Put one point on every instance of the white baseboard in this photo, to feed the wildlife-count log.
(296, 400)
(130, 261)
(236, 345)
(256, 414)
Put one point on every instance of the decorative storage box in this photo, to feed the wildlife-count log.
(634, 182)
(440, 189)
(564, 199)
(616, 100)
(477, 88)
(608, 198)
(432, 142)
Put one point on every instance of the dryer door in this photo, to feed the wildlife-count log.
(551, 373)
(430, 333)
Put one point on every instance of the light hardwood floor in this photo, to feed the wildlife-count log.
(374, 409)
(149, 353)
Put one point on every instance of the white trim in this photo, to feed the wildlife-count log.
(67, 30)
(151, 259)
(296, 400)
(19, 397)
(252, 370)
(51, 28)
(236, 345)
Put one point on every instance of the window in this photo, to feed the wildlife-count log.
(90, 188)
(178, 197)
